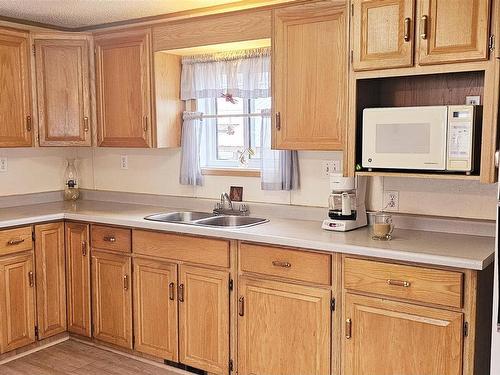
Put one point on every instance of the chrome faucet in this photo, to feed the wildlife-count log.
(226, 207)
(225, 202)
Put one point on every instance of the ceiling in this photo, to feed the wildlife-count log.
(84, 13)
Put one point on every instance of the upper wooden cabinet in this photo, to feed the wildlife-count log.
(382, 33)
(134, 110)
(310, 76)
(15, 98)
(50, 279)
(63, 93)
(453, 31)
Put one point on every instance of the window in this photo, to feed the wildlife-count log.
(231, 136)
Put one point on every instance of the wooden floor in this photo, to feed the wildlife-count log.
(75, 358)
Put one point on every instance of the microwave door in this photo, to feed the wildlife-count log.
(405, 138)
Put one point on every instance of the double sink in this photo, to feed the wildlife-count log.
(205, 219)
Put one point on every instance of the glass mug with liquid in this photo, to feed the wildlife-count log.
(382, 226)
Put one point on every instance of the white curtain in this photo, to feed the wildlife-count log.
(243, 74)
(279, 168)
(190, 173)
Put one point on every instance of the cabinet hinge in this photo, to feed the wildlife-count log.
(231, 366)
(491, 43)
(352, 9)
(231, 284)
(466, 329)
(352, 56)
(36, 332)
(333, 304)
(34, 50)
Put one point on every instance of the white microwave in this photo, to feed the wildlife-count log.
(434, 138)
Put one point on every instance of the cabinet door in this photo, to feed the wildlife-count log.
(17, 302)
(112, 298)
(78, 278)
(283, 329)
(424, 340)
(382, 34)
(204, 319)
(453, 31)
(15, 106)
(50, 279)
(155, 285)
(309, 77)
(62, 87)
(123, 73)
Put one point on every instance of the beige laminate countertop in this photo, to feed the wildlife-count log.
(433, 248)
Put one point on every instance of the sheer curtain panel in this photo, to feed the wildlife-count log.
(190, 173)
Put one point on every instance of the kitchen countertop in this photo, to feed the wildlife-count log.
(433, 248)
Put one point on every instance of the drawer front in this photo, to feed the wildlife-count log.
(291, 264)
(182, 248)
(15, 240)
(110, 238)
(407, 282)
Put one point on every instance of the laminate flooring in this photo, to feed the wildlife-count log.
(75, 358)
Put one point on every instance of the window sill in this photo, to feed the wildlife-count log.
(239, 172)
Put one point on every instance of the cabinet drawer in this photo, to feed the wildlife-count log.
(407, 282)
(110, 238)
(15, 240)
(291, 264)
(183, 248)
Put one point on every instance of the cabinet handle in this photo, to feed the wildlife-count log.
(348, 328)
(85, 124)
(181, 293)
(28, 123)
(145, 120)
(84, 248)
(407, 29)
(278, 121)
(171, 291)
(404, 284)
(241, 306)
(125, 282)
(423, 27)
(17, 241)
(278, 263)
(31, 279)
(109, 239)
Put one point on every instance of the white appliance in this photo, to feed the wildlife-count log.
(437, 138)
(495, 343)
(346, 204)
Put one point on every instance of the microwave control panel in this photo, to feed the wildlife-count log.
(461, 120)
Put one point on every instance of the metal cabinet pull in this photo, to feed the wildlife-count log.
(31, 279)
(85, 124)
(125, 282)
(423, 27)
(16, 241)
(145, 120)
(404, 284)
(109, 239)
(241, 306)
(278, 263)
(407, 29)
(278, 121)
(181, 293)
(171, 291)
(28, 123)
(348, 328)
(84, 248)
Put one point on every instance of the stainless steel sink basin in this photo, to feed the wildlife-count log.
(186, 217)
(230, 221)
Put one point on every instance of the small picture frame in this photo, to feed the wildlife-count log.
(236, 193)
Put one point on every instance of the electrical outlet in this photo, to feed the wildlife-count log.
(330, 166)
(473, 100)
(391, 200)
(3, 164)
(123, 162)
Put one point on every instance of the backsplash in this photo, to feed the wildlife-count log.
(156, 172)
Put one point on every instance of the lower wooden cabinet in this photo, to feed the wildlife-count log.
(78, 278)
(155, 308)
(283, 329)
(50, 279)
(203, 296)
(112, 298)
(424, 340)
(17, 302)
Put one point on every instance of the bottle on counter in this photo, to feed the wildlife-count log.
(71, 186)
